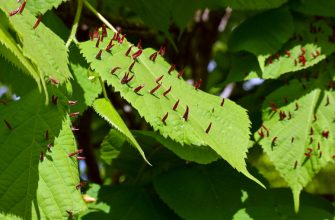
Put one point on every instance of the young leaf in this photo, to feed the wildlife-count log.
(106, 110)
(35, 182)
(184, 114)
(298, 131)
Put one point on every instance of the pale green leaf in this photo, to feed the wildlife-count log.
(288, 141)
(106, 110)
(41, 6)
(43, 47)
(229, 133)
(31, 188)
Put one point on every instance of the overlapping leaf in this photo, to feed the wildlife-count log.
(298, 132)
(223, 195)
(37, 183)
(41, 6)
(228, 132)
(106, 110)
(44, 48)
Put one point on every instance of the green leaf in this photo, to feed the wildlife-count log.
(10, 50)
(30, 188)
(229, 133)
(316, 45)
(214, 192)
(41, 6)
(253, 5)
(85, 91)
(264, 33)
(106, 110)
(43, 47)
(296, 144)
(125, 202)
(311, 7)
(111, 146)
(199, 154)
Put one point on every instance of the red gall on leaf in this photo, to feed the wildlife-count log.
(165, 117)
(172, 67)
(138, 88)
(14, 12)
(307, 155)
(325, 134)
(139, 44)
(74, 114)
(208, 128)
(175, 105)
(131, 66)
(310, 150)
(156, 88)
(71, 103)
(114, 69)
(125, 78)
(98, 56)
(79, 151)
(185, 116)
(261, 134)
(98, 42)
(104, 30)
(109, 46)
(162, 51)
(159, 79)
(38, 21)
(181, 73)
(153, 56)
(288, 53)
(198, 84)
(53, 80)
(128, 51)
(137, 54)
(167, 91)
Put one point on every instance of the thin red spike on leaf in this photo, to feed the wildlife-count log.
(180, 73)
(165, 117)
(185, 116)
(98, 42)
(38, 21)
(137, 54)
(153, 56)
(125, 78)
(167, 91)
(295, 164)
(208, 128)
(53, 80)
(139, 44)
(114, 69)
(172, 67)
(198, 84)
(159, 78)
(98, 56)
(162, 51)
(292, 139)
(138, 88)
(175, 105)
(74, 114)
(325, 134)
(156, 88)
(14, 12)
(71, 103)
(131, 66)
(128, 51)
